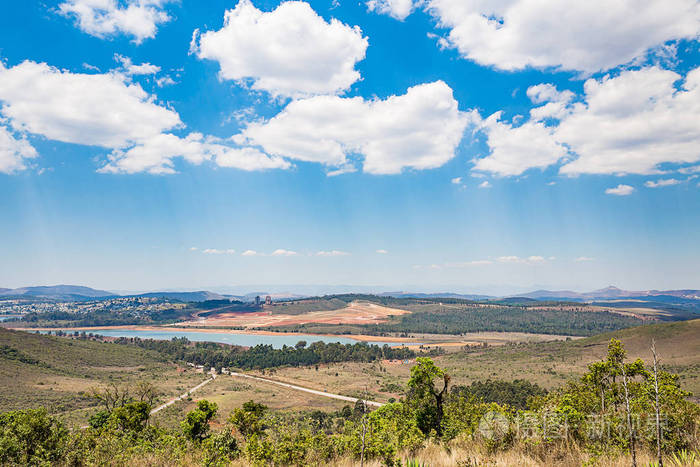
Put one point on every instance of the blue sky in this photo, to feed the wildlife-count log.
(436, 145)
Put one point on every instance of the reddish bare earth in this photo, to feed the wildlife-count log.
(354, 313)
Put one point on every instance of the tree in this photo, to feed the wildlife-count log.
(130, 417)
(196, 424)
(424, 397)
(248, 419)
(31, 437)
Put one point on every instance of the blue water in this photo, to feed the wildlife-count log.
(277, 340)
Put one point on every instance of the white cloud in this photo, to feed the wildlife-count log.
(690, 170)
(634, 122)
(629, 123)
(14, 152)
(290, 51)
(583, 259)
(588, 36)
(214, 251)
(515, 149)
(398, 9)
(343, 169)
(245, 158)
(92, 109)
(194, 248)
(164, 81)
(420, 129)
(663, 182)
(519, 260)
(102, 18)
(620, 190)
(131, 69)
(332, 253)
(250, 253)
(485, 184)
(382, 252)
(457, 181)
(509, 259)
(157, 154)
(283, 252)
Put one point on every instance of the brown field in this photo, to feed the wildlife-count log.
(231, 392)
(355, 313)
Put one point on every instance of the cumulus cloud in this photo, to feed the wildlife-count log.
(420, 129)
(587, 36)
(132, 69)
(283, 252)
(515, 149)
(660, 183)
(110, 111)
(215, 251)
(250, 253)
(634, 122)
(92, 109)
(157, 154)
(332, 253)
(290, 51)
(382, 252)
(629, 123)
(485, 184)
(398, 9)
(103, 18)
(456, 181)
(620, 190)
(14, 152)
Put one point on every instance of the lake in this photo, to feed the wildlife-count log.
(236, 338)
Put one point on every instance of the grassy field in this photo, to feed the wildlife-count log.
(549, 364)
(59, 373)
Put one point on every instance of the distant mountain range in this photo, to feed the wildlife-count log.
(435, 295)
(81, 293)
(58, 292)
(610, 293)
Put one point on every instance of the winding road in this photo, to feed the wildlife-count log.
(183, 396)
(310, 391)
(265, 380)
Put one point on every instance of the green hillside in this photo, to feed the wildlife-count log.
(552, 363)
(58, 373)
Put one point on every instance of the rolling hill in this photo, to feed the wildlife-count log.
(59, 292)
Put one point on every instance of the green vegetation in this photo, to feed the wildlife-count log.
(515, 393)
(53, 319)
(608, 413)
(212, 355)
(510, 319)
(298, 307)
(465, 319)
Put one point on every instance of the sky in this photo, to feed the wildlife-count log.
(433, 145)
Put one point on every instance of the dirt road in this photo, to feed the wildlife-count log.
(310, 391)
(182, 396)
